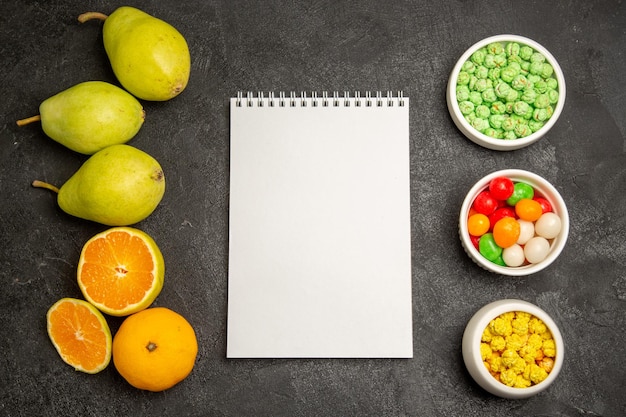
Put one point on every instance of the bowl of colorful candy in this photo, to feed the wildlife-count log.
(512, 348)
(505, 92)
(513, 222)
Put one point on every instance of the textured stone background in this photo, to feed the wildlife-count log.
(319, 46)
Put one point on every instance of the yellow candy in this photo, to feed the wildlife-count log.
(501, 326)
(549, 348)
(515, 342)
(537, 373)
(498, 343)
(485, 351)
(486, 337)
(508, 377)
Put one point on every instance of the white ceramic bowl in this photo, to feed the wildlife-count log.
(471, 348)
(542, 188)
(487, 141)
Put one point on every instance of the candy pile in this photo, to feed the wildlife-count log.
(512, 225)
(507, 91)
(518, 349)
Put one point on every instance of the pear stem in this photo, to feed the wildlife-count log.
(41, 184)
(92, 15)
(28, 120)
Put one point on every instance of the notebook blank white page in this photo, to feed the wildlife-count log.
(319, 233)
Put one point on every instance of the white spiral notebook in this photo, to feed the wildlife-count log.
(319, 227)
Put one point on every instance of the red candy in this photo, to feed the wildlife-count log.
(485, 203)
(475, 240)
(500, 213)
(546, 207)
(501, 188)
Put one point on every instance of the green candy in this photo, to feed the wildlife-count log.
(509, 135)
(508, 73)
(521, 190)
(462, 93)
(553, 96)
(537, 57)
(481, 72)
(536, 67)
(495, 48)
(513, 95)
(542, 101)
(502, 89)
(540, 86)
(482, 84)
(498, 108)
(500, 60)
(522, 130)
(494, 74)
(529, 96)
(489, 95)
(520, 108)
(466, 107)
(464, 78)
(495, 121)
(526, 52)
(519, 82)
(480, 124)
(476, 98)
(494, 133)
(488, 247)
(540, 115)
(508, 124)
(535, 125)
(478, 57)
(482, 111)
(469, 67)
(499, 261)
(512, 49)
(490, 61)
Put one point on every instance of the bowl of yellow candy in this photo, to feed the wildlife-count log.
(513, 349)
(505, 92)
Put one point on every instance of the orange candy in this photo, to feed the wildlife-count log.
(506, 232)
(527, 209)
(477, 224)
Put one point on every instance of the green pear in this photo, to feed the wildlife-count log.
(117, 186)
(149, 57)
(90, 116)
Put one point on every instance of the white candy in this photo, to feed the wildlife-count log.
(526, 231)
(548, 225)
(513, 255)
(536, 249)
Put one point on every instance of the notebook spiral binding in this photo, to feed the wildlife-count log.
(378, 99)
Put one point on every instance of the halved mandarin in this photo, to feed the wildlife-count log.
(121, 271)
(80, 334)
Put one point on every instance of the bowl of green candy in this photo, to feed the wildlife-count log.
(505, 92)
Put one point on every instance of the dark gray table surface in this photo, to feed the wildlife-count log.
(320, 46)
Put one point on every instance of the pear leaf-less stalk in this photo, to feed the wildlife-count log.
(29, 120)
(42, 184)
(92, 15)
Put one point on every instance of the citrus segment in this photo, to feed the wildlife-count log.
(80, 334)
(121, 271)
(155, 349)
